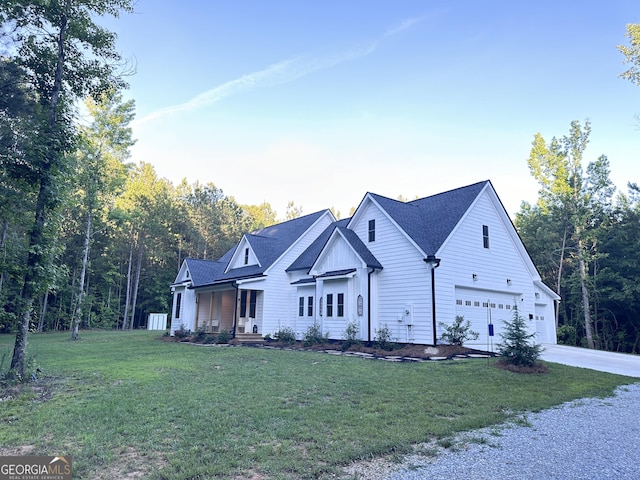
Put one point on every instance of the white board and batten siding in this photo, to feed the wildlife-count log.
(184, 314)
(484, 284)
(278, 309)
(338, 255)
(404, 283)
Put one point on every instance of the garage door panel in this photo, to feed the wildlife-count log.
(484, 307)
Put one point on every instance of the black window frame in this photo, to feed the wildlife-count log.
(178, 303)
(310, 306)
(253, 297)
(243, 303)
(301, 306)
(485, 236)
(246, 256)
(329, 304)
(340, 305)
(372, 230)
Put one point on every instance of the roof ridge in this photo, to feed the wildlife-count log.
(278, 224)
(447, 192)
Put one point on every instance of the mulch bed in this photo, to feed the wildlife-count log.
(403, 352)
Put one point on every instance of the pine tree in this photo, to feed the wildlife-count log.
(518, 347)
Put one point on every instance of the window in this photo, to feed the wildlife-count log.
(246, 256)
(310, 306)
(329, 304)
(243, 303)
(485, 236)
(252, 303)
(372, 230)
(301, 306)
(178, 304)
(458, 302)
(341, 304)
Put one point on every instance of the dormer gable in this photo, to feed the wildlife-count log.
(244, 256)
(343, 250)
(184, 275)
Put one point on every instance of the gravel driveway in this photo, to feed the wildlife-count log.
(584, 439)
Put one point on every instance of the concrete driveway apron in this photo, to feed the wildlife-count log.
(619, 363)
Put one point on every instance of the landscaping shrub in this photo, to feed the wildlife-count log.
(200, 335)
(350, 335)
(458, 332)
(182, 332)
(314, 336)
(223, 336)
(209, 339)
(383, 338)
(285, 335)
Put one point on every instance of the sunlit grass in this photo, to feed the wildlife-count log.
(123, 402)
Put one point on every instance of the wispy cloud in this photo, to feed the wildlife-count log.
(278, 73)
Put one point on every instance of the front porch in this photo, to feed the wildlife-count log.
(233, 310)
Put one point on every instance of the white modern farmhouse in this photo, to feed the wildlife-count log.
(404, 265)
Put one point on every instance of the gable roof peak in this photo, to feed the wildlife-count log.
(430, 220)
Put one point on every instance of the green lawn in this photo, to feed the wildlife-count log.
(127, 405)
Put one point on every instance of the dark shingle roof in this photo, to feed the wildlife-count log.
(430, 220)
(267, 243)
(360, 248)
(204, 272)
(306, 260)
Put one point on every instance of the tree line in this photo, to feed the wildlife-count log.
(583, 238)
(88, 239)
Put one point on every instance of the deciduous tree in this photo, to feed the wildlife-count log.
(567, 192)
(65, 56)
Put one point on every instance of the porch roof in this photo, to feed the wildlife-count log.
(336, 273)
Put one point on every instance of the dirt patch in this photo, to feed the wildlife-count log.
(21, 451)
(129, 464)
(536, 368)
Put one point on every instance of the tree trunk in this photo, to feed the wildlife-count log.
(559, 282)
(585, 295)
(43, 312)
(137, 283)
(128, 295)
(3, 240)
(77, 316)
(43, 205)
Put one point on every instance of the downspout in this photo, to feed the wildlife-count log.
(369, 303)
(235, 310)
(434, 263)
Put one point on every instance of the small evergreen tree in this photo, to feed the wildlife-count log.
(518, 347)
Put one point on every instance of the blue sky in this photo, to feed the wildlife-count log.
(320, 102)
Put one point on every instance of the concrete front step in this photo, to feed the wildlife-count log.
(249, 338)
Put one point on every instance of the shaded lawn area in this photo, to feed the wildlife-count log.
(126, 405)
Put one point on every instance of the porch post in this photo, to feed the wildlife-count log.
(235, 310)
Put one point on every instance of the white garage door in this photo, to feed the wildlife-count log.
(484, 308)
